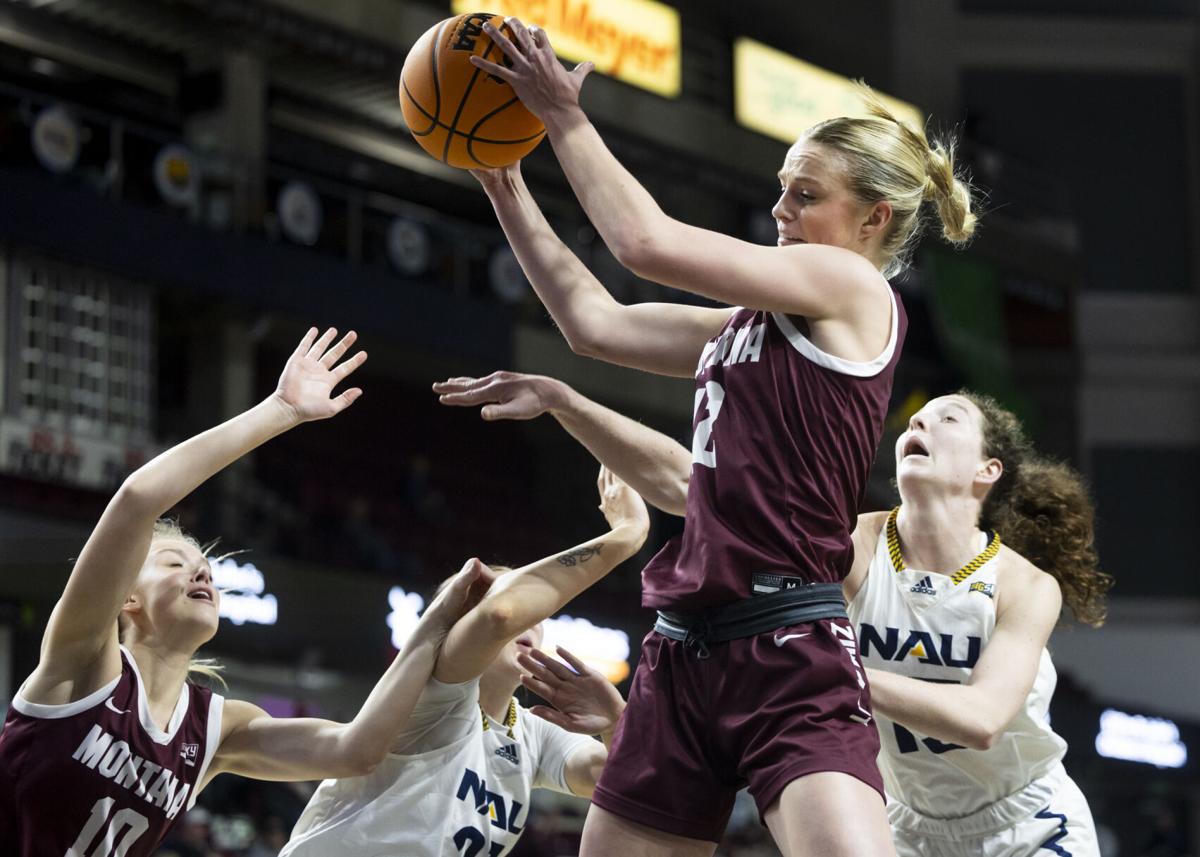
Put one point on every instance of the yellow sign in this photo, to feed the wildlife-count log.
(781, 96)
(636, 41)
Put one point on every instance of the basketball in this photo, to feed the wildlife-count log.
(456, 112)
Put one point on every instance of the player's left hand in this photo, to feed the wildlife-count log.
(533, 71)
(305, 388)
(583, 700)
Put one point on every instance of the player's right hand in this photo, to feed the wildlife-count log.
(504, 395)
(456, 599)
(621, 505)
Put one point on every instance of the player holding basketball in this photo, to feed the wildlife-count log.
(953, 627)
(459, 777)
(792, 386)
(955, 650)
(107, 741)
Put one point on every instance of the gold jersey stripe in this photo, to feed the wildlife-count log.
(893, 545)
(510, 719)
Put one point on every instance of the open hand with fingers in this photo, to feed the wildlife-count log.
(504, 395)
(306, 386)
(533, 71)
(582, 699)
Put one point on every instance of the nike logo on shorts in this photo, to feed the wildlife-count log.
(108, 703)
(779, 641)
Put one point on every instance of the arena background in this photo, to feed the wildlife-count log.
(186, 185)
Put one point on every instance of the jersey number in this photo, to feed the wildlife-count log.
(702, 436)
(124, 829)
(907, 742)
(471, 841)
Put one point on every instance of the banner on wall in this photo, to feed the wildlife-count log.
(781, 96)
(635, 41)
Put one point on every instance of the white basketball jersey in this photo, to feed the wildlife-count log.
(925, 625)
(456, 789)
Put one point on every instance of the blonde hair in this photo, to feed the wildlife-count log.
(885, 158)
(208, 668)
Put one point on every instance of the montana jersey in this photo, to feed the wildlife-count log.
(927, 626)
(783, 439)
(97, 777)
(456, 788)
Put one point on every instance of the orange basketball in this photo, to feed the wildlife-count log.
(459, 114)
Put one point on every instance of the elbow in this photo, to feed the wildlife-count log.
(981, 736)
(500, 619)
(636, 252)
(134, 497)
(584, 343)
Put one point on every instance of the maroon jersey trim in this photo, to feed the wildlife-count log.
(216, 710)
(857, 369)
(41, 711)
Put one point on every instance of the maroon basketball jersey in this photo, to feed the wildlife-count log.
(783, 437)
(96, 777)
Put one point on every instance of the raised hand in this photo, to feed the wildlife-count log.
(504, 395)
(310, 374)
(583, 700)
(621, 505)
(536, 75)
(457, 597)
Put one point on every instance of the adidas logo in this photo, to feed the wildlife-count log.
(509, 751)
(924, 587)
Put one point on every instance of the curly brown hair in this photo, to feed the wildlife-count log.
(1042, 509)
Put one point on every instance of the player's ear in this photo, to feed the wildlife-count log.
(990, 471)
(878, 218)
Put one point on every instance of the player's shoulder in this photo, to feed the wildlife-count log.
(869, 530)
(1021, 582)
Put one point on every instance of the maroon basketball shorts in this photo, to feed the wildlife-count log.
(760, 711)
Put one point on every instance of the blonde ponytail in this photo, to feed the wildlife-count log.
(950, 194)
(889, 159)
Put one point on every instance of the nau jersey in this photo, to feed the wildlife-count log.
(454, 789)
(784, 435)
(96, 777)
(925, 625)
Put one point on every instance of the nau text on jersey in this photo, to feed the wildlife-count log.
(489, 803)
(920, 644)
(159, 786)
(734, 346)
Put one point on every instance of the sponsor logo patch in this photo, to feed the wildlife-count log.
(988, 589)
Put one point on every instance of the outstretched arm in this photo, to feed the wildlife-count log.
(651, 463)
(812, 280)
(255, 744)
(662, 338)
(976, 714)
(520, 599)
(82, 631)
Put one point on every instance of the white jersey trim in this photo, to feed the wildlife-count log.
(66, 709)
(157, 735)
(838, 364)
(216, 709)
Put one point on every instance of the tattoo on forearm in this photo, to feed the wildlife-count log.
(574, 557)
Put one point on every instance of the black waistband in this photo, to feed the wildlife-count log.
(752, 616)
